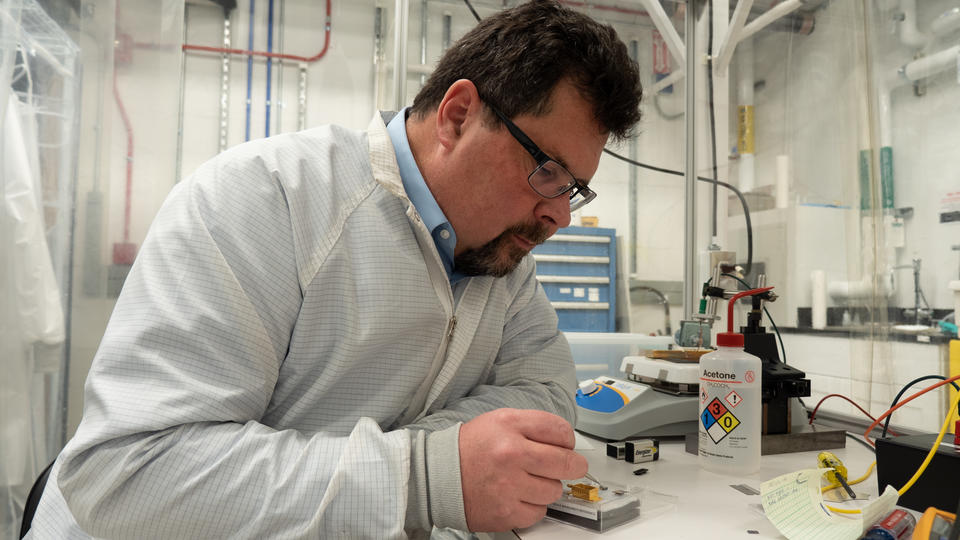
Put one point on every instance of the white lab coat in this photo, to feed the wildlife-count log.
(31, 317)
(32, 313)
(283, 360)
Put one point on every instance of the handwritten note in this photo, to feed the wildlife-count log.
(793, 503)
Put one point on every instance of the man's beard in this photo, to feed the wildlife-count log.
(501, 255)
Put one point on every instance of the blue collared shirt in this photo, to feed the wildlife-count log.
(437, 223)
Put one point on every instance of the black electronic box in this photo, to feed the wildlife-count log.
(898, 458)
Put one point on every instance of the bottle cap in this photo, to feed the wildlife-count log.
(730, 339)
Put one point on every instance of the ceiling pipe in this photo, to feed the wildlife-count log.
(666, 81)
(780, 10)
(931, 64)
(732, 37)
(947, 22)
(665, 26)
(910, 35)
(265, 54)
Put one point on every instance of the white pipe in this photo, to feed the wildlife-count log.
(947, 22)
(772, 14)
(910, 35)
(666, 81)
(885, 114)
(691, 283)
(932, 64)
(667, 30)
(782, 182)
(421, 69)
(745, 124)
(733, 35)
(841, 291)
(401, 10)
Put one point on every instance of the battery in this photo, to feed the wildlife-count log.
(897, 525)
(642, 450)
(616, 449)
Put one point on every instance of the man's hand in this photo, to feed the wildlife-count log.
(511, 466)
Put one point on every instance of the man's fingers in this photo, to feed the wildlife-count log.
(553, 462)
(540, 491)
(542, 427)
(511, 465)
(527, 514)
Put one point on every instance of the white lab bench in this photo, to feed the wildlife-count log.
(706, 504)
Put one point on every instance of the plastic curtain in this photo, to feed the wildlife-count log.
(32, 328)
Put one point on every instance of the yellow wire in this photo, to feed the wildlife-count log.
(933, 449)
(843, 510)
(866, 475)
(929, 458)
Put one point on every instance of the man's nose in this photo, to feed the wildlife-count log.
(555, 213)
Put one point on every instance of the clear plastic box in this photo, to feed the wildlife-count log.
(618, 504)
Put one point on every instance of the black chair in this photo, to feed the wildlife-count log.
(33, 499)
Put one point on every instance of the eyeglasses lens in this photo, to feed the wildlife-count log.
(551, 180)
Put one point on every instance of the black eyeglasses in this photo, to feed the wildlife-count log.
(550, 179)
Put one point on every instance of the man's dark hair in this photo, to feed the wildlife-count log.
(517, 56)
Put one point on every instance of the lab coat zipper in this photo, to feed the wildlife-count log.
(444, 290)
(452, 326)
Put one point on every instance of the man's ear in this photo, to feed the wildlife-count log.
(458, 107)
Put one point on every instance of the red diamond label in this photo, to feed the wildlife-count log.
(703, 395)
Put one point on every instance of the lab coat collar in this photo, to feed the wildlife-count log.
(383, 162)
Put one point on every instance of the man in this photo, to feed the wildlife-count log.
(339, 334)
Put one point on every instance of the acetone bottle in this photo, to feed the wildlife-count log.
(730, 408)
(730, 404)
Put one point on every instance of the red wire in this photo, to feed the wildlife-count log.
(866, 434)
(308, 59)
(852, 402)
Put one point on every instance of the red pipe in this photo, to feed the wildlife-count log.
(733, 301)
(129, 129)
(124, 252)
(307, 59)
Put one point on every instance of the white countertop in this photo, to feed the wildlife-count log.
(705, 504)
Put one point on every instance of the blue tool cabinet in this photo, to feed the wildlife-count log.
(577, 267)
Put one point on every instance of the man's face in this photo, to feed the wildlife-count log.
(501, 255)
(501, 217)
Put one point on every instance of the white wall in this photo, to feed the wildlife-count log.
(339, 91)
